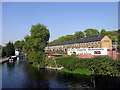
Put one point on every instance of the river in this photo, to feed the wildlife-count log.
(19, 74)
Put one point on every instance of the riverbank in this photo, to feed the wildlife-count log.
(98, 65)
(22, 75)
(56, 68)
(3, 60)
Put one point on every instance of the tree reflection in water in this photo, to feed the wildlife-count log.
(28, 77)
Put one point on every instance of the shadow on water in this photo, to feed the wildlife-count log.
(19, 74)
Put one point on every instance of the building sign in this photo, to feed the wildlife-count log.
(87, 51)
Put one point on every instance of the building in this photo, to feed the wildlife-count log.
(96, 41)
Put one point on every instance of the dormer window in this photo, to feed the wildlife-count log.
(98, 42)
(95, 43)
(91, 43)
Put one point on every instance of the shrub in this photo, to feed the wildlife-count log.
(103, 65)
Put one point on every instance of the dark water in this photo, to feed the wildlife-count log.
(19, 74)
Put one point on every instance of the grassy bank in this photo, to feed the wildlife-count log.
(98, 65)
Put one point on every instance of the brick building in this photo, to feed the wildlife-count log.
(96, 41)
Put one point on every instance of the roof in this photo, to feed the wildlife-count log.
(86, 39)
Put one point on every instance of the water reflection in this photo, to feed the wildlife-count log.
(19, 74)
(55, 79)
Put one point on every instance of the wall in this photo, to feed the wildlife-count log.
(105, 44)
(109, 53)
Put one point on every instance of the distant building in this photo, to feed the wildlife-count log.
(96, 41)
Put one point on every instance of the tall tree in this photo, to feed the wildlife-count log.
(91, 32)
(36, 42)
(103, 32)
(10, 49)
(79, 35)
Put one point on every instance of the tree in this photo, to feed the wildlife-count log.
(79, 35)
(36, 42)
(118, 47)
(114, 38)
(103, 32)
(10, 49)
(91, 32)
(3, 51)
(19, 45)
(64, 39)
(113, 35)
(119, 35)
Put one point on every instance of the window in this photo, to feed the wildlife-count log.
(83, 44)
(88, 43)
(91, 43)
(98, 42)
(106, 40)
(95, 43)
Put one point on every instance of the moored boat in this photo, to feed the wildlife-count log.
(12, 58)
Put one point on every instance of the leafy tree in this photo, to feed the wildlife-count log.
(103, 32)
(36, 42)
(119, 35)
(10, 49)
(91, 32)
(3, 51)
(19, 45)
(79, 35)
(64, 38)
(114, 38)
(113, 35)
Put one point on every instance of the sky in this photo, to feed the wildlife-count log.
(61, 18)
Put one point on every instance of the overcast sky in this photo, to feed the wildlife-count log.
(61, 18)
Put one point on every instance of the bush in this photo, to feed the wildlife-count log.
(50, 62)
(68, 62)
(103, 65)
